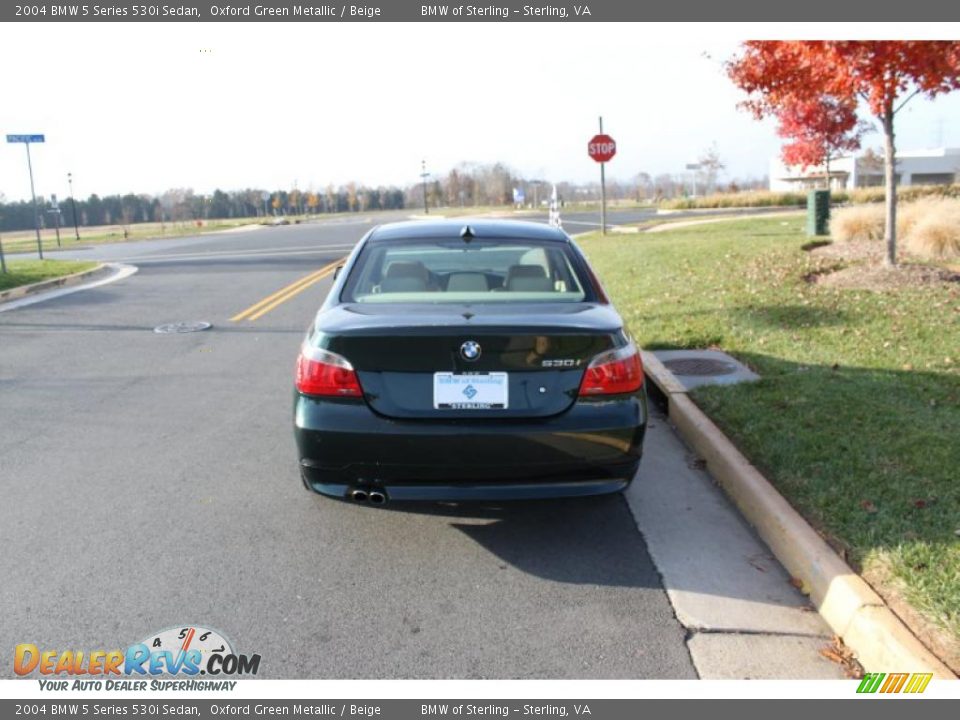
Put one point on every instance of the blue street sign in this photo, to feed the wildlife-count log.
(25, 138)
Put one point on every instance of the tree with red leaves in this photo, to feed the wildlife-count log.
(817, 131)
(883, 74)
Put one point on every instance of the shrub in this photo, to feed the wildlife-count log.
(929, 227)
(857, 222)
(751, 198)
(769, 198)
(934, 231)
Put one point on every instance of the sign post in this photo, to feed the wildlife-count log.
(694, 168)
(55, 211)
(423, 176)
(26, 140)
(602, 148)
(555, 209)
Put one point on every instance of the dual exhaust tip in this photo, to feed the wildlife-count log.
(374, 497)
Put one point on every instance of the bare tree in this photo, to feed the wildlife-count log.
(710, 167)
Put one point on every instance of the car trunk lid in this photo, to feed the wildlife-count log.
(543, 353)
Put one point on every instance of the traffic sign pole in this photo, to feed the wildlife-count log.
(602, 148)
(26, 140)
(55, 211)
(603, 191)
(36, 213)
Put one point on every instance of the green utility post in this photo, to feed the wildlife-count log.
(818, 212)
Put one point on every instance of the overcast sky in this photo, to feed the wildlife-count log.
(146, 107)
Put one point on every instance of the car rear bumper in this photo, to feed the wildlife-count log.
(593, 448)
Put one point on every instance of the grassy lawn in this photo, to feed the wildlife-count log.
(26, 240)
(857, 417)
(24, 272)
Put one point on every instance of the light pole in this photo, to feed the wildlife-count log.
(73, 204)
(423, 176)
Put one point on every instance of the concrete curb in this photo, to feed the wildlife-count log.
(51, 284)
(881, 641)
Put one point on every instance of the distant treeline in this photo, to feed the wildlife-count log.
(466, 185)
(183, 205)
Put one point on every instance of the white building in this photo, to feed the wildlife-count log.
(937, 166)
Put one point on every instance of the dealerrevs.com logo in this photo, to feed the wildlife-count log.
(186, 652)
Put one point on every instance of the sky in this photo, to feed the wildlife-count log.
(130, 107)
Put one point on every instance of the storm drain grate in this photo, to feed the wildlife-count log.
(700, 366)
(182, 327)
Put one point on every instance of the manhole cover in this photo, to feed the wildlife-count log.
(182, 327)
(700, 366)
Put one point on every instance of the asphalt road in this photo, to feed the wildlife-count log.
(150, 481)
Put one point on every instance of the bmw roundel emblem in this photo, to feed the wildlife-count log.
(470, 350)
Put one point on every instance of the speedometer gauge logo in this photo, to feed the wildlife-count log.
(181, 640)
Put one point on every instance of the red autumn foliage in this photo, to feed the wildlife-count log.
(787, 76)
(818, 130)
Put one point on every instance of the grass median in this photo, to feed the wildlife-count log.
(24, 241)
(25, 272)
(856, 419)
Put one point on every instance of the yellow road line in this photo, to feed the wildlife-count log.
(285, 293)
(292, 293)
(260, 303)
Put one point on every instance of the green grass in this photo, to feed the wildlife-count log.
(26, 240)
(857, 417)
(24, 272)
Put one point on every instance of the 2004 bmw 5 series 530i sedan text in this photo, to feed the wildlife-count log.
(470, 360)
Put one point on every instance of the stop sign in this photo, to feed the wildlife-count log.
(601, 148)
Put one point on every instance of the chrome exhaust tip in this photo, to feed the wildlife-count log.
(358, 495)
(377, 497)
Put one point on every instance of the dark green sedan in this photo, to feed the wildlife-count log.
(467, 360)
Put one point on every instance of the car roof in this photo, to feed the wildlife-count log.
(479, 228)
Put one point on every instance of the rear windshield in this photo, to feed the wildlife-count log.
(455, 271)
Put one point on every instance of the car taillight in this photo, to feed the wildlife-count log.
(613, 372)
(326, 374)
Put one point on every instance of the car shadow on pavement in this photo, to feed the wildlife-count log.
(587, 541)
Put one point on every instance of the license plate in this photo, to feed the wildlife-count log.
(471, 391)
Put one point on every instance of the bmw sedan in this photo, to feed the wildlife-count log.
(471, 360)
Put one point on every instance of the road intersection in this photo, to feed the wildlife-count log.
(150, 481)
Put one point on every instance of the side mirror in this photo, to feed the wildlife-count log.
(336, 272)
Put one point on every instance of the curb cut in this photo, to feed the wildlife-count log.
(51, 284)
(881, 641)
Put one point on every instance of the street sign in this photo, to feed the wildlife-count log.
(27, 140)
(601, 148)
